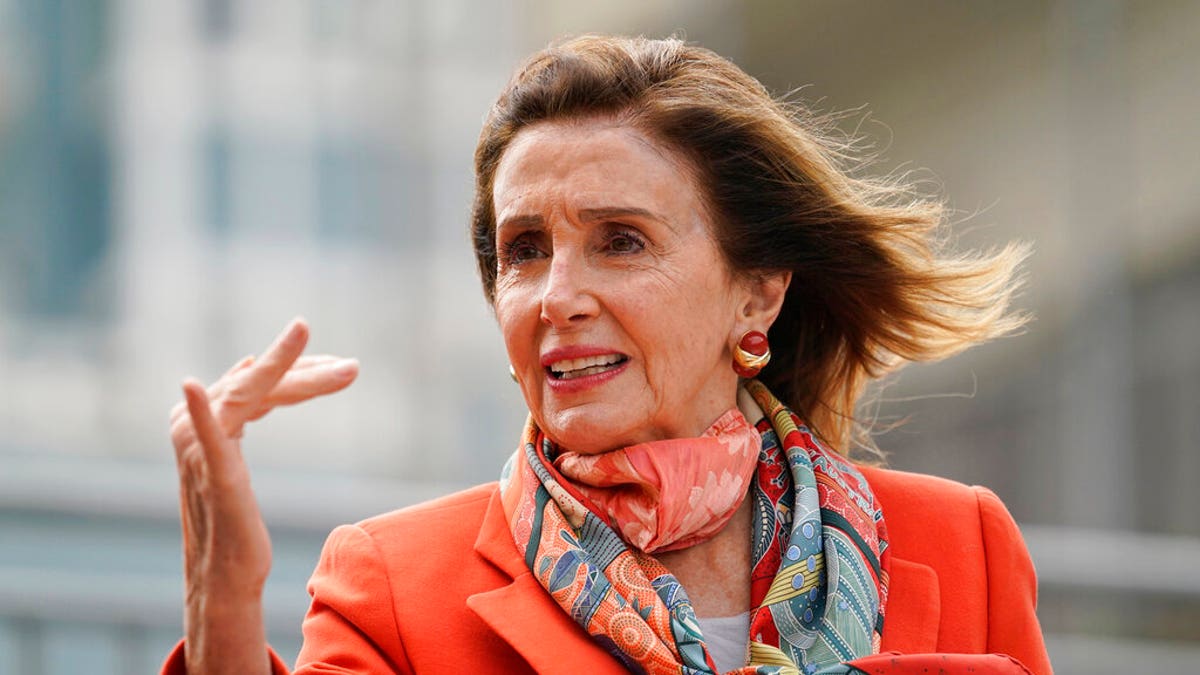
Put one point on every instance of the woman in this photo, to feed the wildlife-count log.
(654, 232)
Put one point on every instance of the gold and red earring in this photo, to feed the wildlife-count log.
(751, 354)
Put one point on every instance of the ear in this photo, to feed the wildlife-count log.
(762, 302)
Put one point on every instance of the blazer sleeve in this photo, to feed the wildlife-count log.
(1013, 627)
(351, 626)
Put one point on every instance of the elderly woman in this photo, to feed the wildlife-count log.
(693, 293)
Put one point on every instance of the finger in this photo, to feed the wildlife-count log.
(208, 432)
(183, 435)
(301, 385)
(219, 387)
(177, 411)
(261, 377)
(315, 360)
(241, 364)
(216, 389)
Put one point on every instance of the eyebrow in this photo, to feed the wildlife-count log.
(520, 222)
(589, 215)
(607, 212)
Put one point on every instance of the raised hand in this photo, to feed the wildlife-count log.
(226, 549)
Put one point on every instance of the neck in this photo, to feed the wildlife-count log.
(716, 573)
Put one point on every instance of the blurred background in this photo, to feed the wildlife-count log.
(178, 179)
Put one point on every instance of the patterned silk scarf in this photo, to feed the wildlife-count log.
(818, 584)
(669, 494)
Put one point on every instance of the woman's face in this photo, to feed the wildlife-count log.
(616, 306)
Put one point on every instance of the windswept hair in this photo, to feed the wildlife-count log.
(873, 285)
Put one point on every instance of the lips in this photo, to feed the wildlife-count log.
(580, 367)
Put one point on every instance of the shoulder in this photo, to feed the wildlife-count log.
(380, 578)
(905, 490)
(428, 551)
(455, 505)
(453, 521)
(906, 495)
(919, 508)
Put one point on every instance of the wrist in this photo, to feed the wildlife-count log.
(225, 635)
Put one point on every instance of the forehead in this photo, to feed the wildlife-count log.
(588, 163)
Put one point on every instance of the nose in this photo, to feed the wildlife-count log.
(567, 298)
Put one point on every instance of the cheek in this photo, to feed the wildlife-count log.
(695, 301)
(514, 321)
(684, 331)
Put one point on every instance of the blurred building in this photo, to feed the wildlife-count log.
(178, 179)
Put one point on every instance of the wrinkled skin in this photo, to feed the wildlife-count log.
(226, 549)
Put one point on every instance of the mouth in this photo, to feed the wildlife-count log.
(570, 369)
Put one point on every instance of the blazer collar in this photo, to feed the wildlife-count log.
(495, 542)
(524, 615)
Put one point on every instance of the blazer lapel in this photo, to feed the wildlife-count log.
(913, 613)
(524, 615)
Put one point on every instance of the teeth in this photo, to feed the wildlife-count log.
(583, 372)
(588, 365)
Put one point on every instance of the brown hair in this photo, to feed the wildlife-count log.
(872, 288)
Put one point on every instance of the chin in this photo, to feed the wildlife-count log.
(588, 433)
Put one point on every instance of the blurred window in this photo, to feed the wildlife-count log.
(55, 178)
(337, 22)
(217, 19)
(216, 172)
(345, 175)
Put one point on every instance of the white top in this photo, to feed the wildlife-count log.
(728, 639)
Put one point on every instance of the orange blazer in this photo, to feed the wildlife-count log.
(440, 588)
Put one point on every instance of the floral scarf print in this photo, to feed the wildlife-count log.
(819, 569)
(670, 494)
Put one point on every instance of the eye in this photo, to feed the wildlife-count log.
(625, 241)
(519, 250)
